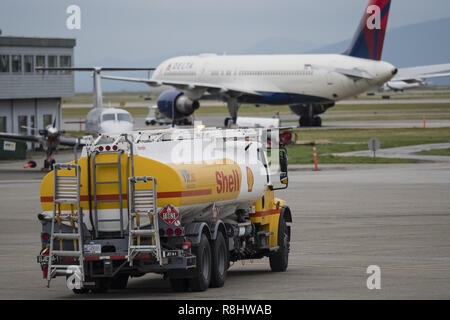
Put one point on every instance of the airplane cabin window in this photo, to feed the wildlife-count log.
(123, 117)
(109, 117)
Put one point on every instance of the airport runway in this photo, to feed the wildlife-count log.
(223, 104)
(292, 120)
(345, 219)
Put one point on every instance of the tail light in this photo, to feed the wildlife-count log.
(169, 232)
(178, 231)
(186, 245)
(115, 148)
(100, 148)
(45, 236)
(108, 148)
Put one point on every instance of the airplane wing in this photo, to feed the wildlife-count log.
(213, 89)
(20, 137)
(71, 141)
(423, 72)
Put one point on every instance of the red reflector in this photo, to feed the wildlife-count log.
(68, 259)
(45, 236)
(108, 148)
(169, 232)
(178, 231)
(186, 245)
(100, 148)
(114, 148)
(91, 258)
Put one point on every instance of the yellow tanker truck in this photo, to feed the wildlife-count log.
(184, 203)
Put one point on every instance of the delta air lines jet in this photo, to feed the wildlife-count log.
(308, 83)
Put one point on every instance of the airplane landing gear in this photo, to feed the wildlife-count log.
(315, 121)
(233, 107)
(48, 164)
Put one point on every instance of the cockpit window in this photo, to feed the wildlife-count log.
(123, 117)
(108, 117)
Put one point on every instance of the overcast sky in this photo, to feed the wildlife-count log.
(135, 30)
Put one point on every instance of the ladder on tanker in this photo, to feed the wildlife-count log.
(117, 182)
(66, 191)
(142, 203)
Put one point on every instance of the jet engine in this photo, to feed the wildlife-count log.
(177, 101)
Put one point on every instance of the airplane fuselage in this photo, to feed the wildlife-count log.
(278, 79)
(108, 121)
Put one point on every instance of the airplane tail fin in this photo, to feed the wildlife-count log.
(368, 40)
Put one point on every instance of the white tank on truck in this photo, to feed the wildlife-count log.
(180, 202)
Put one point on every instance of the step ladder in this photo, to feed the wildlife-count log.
(66, 191)
(117, 182)
(142, 204)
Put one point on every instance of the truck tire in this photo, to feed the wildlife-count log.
(279, 260)
(179, 285)
(80, 291)
(119, 282)
(202, 278)
(102, 285)
(219, 261)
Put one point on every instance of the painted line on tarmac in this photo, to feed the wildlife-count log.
(363, 268)
(20, 181)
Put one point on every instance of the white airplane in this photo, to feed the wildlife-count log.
(415, 77)
(309, 83)
(101, 120)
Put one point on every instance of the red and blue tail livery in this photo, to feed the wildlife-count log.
(369, 38)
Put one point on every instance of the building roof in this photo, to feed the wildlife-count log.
(11, 41)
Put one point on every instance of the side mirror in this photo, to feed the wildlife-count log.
(283, 161)
(284, 169)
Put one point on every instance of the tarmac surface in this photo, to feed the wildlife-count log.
(292, 121)
(346, 218)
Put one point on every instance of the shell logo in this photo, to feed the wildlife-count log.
(250, 179)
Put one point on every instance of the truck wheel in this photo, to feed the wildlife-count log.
(219, 262)
(102, 285)
(119, 282)
(80, 291)
(202, 278)
(279, 260)
(179, 285)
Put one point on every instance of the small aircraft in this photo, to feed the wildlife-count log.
(415, 77)
(49, 138)
(309, 83)
(101, 120)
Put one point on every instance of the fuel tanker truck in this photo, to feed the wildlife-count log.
(184, 203)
